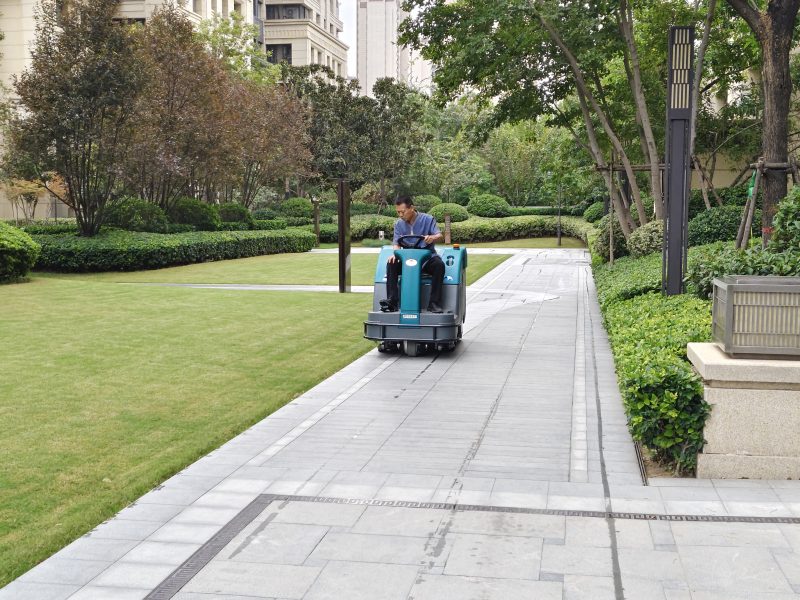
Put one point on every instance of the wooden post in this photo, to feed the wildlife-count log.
(315, 202)
(743, 235)
(447, 229)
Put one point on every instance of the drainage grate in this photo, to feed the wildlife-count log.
(194, 564)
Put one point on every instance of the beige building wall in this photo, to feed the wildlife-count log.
(378, 53)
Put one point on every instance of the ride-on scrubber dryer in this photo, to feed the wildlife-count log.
(411, 329)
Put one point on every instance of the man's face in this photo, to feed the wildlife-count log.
(405, 212)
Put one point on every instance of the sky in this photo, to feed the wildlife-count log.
(347, 11)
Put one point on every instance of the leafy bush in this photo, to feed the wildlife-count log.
(730, 196)
(233, 212)
(718, 224)
(489, 205)
(663, 397)
(298, 221)
(646, 239)
(233, 226)
(425, 203)
(490, 230)
(600, 245)
(190, 211)
(456, 211)
(360, 208)
(50, 228)
(627, 278)
(786, 235)
(179, 228)
(269, 224)
(327, 232)
(296, 207)
(264, 214)
(595, 212)
(117, 250)
(369, 193)
(724, 259)
(18, 253)
(368, 226)
(522, 211)
(135, 214)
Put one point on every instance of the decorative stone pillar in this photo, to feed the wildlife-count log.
(753, 431)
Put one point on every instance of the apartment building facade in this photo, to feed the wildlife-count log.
(303, 33)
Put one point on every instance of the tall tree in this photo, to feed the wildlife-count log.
(78, 97)
(774, 27)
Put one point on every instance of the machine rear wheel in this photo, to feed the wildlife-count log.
(411, 348)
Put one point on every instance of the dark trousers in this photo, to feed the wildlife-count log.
(434, 267)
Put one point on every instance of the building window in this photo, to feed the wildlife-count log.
(279, 53)
(197, 6)
(286, 11)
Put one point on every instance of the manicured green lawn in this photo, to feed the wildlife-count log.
(305, 269)
(542, 242)
(107, 390)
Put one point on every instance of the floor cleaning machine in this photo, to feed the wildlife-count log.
(411, 329)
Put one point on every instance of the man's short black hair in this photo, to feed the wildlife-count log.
(404, 200)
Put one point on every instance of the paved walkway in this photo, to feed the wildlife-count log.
(472, 475)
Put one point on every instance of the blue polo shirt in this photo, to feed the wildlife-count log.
(424, 224)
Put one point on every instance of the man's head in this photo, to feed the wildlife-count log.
(404, 206)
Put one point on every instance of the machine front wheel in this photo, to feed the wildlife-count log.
(411, 348)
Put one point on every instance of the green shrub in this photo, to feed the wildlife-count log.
(456, 211)
(327, 232)
(600, 245)
(50, 228)
(369, 193)
(233, 212)
(522, 211)
(663, 397)
(117, 250)
(425, 203)
(233, 226)
(264, 214)
(298, 221)
(269, 224)
(360, 208)
(646, 239)
(786, 235)
(368, 226)
(627, 278)
(595, 212)
(135, 214)
(489, 205)
(491, 230)
(179, 228)
(718, 224)
(296, 207)
(190, 211)
(18, 253)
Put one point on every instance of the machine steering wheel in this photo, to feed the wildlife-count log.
(410, 241)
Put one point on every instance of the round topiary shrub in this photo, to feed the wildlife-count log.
(718, 224)
(600, 244)
(135, 214)
(190, 211)
(489, 205)
(264, 214)
(786, 235)
(425, 202)
(18, 253)
(456, 211)
(296, 207)
(595, 212)
(647, 239)
(233, 212)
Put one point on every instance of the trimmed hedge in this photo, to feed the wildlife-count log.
(489, 205)
(787, 223)
(426, 202)
(719, 224)
(594, 212)
(18, 253)
(135, 214)
(491, 230)
(627, 278)
(647, 239)
(269, 224)
(296, 207)
(233, 212)
(456, 211)
(663, 397)
(116, 250)
(50, 228)
(600, 245)
(190, 211)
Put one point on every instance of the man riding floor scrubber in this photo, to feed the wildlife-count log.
(427, 278)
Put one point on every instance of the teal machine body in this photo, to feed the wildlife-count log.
(412, 329)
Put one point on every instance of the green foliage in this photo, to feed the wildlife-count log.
(492, 230)
(233, 212)
(595, 212)
(269, 224)
(117, 250)
(489, 205)
(18, 253)
(647, 239)
(264, 214)
(456, 211)
(717, 260)
(233, 226)
(730, 196)
(135, 214)
(600, 244)
(296, 207)
(370, 243)
(786, 235)
(627, 278)
(50, 227)
(190, 211)
(368, 226)
(425, 202)
(663, 397)
(298, 221)
(721, 223)
(369, 193)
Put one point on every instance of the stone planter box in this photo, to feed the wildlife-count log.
(754, 316)
(753, 431)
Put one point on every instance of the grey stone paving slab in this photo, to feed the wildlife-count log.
(363, 581)
(253, 579)
(735, 570)
(94, 592)
(504, 557)
(450, 587)
(24, 590)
